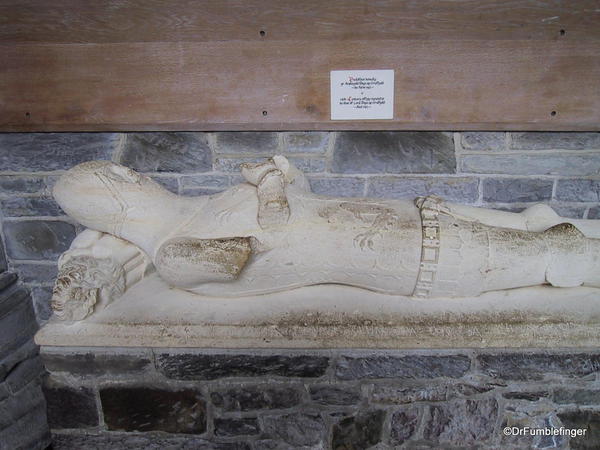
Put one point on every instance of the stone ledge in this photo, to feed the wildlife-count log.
(153, 315)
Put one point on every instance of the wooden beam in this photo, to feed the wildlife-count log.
(189, 65)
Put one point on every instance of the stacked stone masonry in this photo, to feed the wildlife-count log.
(502, 170)
(23, 422)
(281, 399)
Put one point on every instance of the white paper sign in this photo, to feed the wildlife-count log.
(362, 94)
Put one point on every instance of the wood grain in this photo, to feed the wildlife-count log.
(104, 21)
(188, 65)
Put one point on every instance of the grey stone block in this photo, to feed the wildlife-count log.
(171, 184)
(30, 206)
(189, 366)
(228, 427)
(167, 152)
(338, 186)
(526, 395)
(296, 429)
(264, 142)
(70, 407)
(53, 151)
(30, 432)
(17, 323)
(589, 397)
(328, 394)
(24, 373)
(483, 140)
(403, 425)
(24, 351)
(14, 184)
(464, 190)
(206, 181)
(467, 422)
(197, 192)
(545, 164)
(97, 362)
(538, 366)
(250, 398)
(153, 409)
(570, 211)
(22, 402)
(36, 273)
(392, 394)
(578, 190)
(42, 295)
(512, 190)
(7, 279)
(586, 420)
(555, 141)
(3, 262)
(413, 366)
(394, 152)
(131, 441)
(361, 431)
(232, 164)
(594, 213)
(306, 142)
(37, 239)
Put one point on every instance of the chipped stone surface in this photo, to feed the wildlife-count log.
(334, 395)
(509, 190)
(53, 151)
(262, 142)
(555, 141)
(465, 422)
(306, 141)
(37, 239)
(256, 397)
(578, 190)
(228, 427)
(30, 206)
(70, 407)
(403, 425)
(483, 140)
(167, 152)
(393, 152)
(463, 189)
(533, 164)
(360, 431)
(336, 186)
(418, 366)
(102, 362)
(296, 429)
(210, 367)
(14, 184)
(135, 409)
(537, 366)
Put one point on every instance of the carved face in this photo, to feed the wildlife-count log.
(72, 299)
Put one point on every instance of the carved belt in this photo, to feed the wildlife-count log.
(430, 208)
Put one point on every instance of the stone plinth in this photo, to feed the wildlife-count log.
(320, 399)
(153, 315)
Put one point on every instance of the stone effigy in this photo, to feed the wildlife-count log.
(271, 234)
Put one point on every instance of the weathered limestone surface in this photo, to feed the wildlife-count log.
(488, 166)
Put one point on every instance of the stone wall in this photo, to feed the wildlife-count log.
(23, 422)
(501, 170)
(282, 399)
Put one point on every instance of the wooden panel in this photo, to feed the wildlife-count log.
(132, 65)
(103, 21)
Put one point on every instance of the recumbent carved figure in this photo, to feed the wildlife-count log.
(272, 234)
